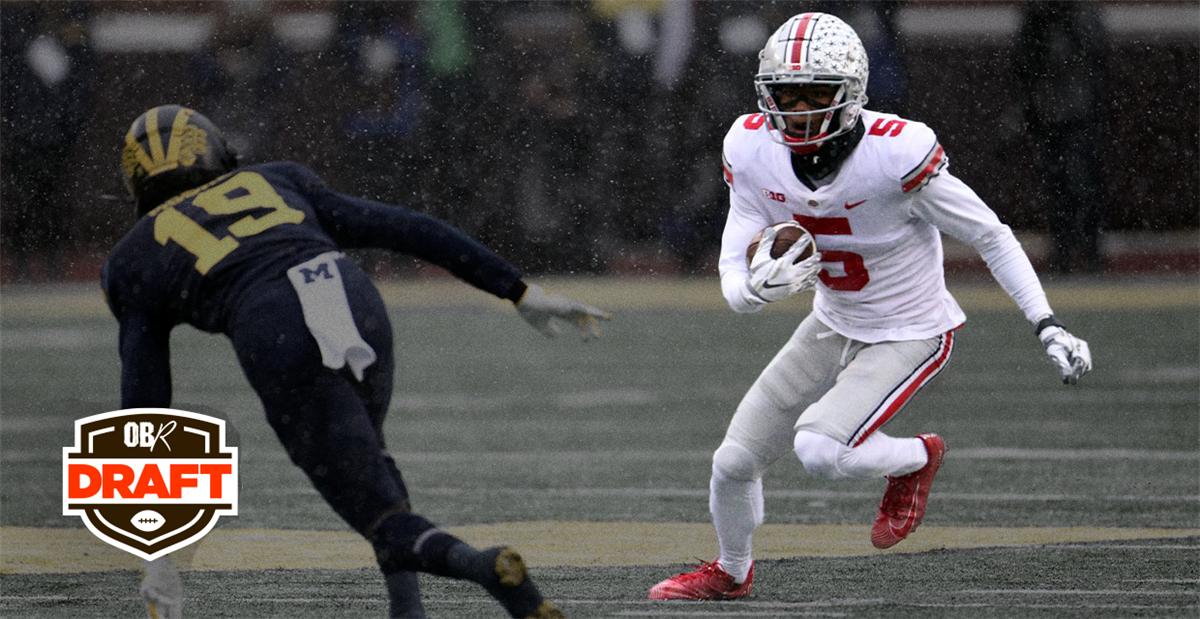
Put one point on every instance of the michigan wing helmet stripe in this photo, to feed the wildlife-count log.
(175, 145)
(182, 144)
(170, 149)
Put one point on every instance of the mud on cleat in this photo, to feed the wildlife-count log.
(514, 589)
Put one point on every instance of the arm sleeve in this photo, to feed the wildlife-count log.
(145, 346)
(742, 223)
(952, 207)
(356, 222)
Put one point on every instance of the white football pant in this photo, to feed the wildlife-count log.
(823, 396)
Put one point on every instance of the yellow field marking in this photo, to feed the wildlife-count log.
(53, 302)
(616, 294)
(641, 293)
(31, 550)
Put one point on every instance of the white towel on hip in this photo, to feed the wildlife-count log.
(322, 294)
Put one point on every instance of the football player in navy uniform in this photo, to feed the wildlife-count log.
(255, 253)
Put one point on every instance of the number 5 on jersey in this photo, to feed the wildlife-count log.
(856, 276)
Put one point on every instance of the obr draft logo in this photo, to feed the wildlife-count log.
(150, 480)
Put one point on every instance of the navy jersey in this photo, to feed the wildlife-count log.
(216, 255)
(195, 257)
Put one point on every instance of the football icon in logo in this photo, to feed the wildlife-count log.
(147, 520)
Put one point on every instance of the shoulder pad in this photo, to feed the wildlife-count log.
(745, 132)
(910, 147)
(929, 167)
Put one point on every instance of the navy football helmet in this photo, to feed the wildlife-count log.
(169, 150)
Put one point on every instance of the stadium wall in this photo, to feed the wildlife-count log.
(956, 58)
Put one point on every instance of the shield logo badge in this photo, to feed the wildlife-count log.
(150, 480)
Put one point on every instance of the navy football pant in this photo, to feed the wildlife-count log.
(330, 424)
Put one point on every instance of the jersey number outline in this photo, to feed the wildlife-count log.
(172, 225)
(856, 277)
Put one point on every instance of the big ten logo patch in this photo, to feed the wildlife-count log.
(150, 480)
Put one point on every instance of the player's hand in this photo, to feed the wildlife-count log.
(541, 309)
(772, 279)
(1068, 352)
(162, 589)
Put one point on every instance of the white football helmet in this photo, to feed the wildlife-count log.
(813, 48)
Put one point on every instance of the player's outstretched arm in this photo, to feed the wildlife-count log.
(1070, 354)
(541, 309)
(145, 347)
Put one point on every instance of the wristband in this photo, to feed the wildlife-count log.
(1049, 321)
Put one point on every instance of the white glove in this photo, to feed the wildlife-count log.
(772, 279)
(162, 589)
(539, 309)
(1068, 352)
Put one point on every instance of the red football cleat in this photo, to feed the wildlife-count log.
(710, 582)
(903, 504)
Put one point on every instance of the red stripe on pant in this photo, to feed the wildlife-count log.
(911, 388)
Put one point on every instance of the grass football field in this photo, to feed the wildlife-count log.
(593, 461)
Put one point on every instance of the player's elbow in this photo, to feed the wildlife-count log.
(995, 240)
(737, 294)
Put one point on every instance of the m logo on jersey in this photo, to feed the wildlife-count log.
(311, 275)
(150, 480)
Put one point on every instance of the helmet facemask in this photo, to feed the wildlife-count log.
(811, 50)
(825, 120)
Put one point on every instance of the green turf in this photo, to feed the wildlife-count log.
(1132, 579)
(491, 422)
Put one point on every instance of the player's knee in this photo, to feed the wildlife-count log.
(735, 462)
(821, 456)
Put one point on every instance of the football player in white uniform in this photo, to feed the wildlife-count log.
(875, 193)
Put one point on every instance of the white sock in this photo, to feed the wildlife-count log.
(737, 510)
(829, 459)
(881, 455)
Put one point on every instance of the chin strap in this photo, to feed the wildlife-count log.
(828, 156)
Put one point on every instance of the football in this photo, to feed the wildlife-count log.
(786, 235)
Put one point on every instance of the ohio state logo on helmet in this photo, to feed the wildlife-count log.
(150, 480)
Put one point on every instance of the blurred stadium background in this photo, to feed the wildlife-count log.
(575, 137)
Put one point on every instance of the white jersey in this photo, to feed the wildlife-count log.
(876, 222)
